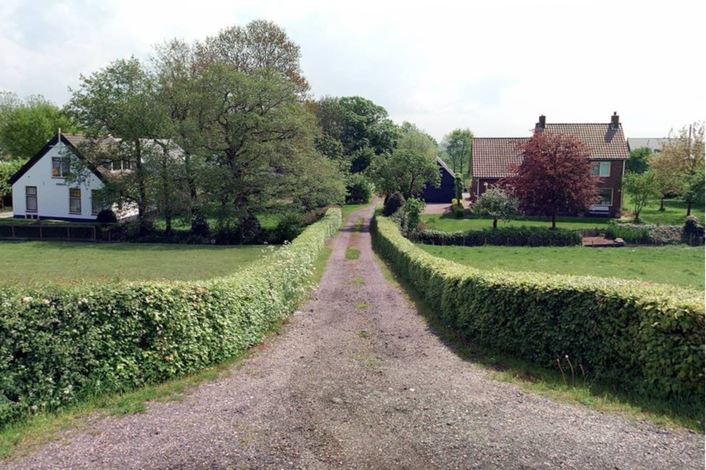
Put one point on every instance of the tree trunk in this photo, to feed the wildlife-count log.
(661, 203)
(141, 190)
(495, 224)
(688, 208)
(553, 221)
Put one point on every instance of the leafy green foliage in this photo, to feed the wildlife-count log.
(25, 126)
(61, 344)
(410, 166)
(507, 236)
(693, 233)
(359, 189)
(458, 186)
(641, 187)
(457, 149)
(638, 161)
(392, 203)
(636, 336)
(496, 204)
(411, 214)
(7, 169)
(645, 234)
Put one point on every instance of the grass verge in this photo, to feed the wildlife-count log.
(552, 383)
(21, 437)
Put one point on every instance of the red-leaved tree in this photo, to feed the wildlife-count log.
(554, 176)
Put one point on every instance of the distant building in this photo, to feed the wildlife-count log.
(655, 144)
(495, 158)
(445, 192)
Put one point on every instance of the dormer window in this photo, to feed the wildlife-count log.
(120, 165)
(60, 167)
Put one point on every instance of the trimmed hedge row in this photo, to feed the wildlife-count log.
(639, 336)
(63, 343)
(507, 236)
(646, 234)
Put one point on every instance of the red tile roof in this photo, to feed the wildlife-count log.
(496, 157)
(605, 142)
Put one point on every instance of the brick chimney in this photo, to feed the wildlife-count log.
(542, 123)
(615, 120)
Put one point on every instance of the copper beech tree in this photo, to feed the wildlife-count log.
(554, 176)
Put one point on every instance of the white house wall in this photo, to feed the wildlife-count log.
(52, 192)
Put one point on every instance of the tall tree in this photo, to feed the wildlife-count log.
(256, 46)
(457, 149)
(638, 161)
(411, 165)
(641, 188)
(25, 126)
(554, 176)
(363, 129)
(120, 100)
(683, 154)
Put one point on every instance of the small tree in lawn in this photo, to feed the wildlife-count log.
(641, 188)
(555, 176)
(497, 204)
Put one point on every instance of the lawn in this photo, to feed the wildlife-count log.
(448, 223)
(36, 263)
(678, 265)
(674, 212)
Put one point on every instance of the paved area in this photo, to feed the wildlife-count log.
(357, 380)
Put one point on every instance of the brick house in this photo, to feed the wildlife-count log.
(495, 158)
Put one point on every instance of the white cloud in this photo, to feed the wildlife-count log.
(490, 66)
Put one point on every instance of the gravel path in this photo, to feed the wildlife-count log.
(357, 380)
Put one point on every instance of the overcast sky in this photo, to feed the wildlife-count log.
(491, 66)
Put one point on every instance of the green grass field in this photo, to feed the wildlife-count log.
(36, 263)
(677, 265)
(674, 212)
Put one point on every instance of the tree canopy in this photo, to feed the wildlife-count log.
(26, 125)
(457, 149)
(411, 165)
(555, 176)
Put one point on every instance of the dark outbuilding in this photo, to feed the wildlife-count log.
(445, 192)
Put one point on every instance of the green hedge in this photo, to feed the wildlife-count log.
(646, 234)
(63, 343)
(506, 236)
(639, 336)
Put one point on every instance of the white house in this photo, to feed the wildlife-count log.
(40, 189)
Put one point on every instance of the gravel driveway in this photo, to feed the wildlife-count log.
(357, 380)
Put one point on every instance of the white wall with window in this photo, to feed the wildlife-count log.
(43, 191)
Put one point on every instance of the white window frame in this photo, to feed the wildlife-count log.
(36, 200)
(63, 168)
(78, 211)
(601, 169)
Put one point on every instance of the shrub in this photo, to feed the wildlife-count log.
(633, 335)
(458, 186)
(412, 211)
(457, 208)
(359, 189)
(199, 225)
(392, 203)
(288, 228)
(497, 204)
(693, 232)
(106, 216)
(507, 236)
(646, 234)
(64, 343)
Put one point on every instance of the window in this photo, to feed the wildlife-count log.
(59, 167)
(30, 198)
(601, 169)
(121, 164)
(606, 196)
(74, 201)
(96, 205)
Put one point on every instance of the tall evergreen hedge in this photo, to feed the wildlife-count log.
(644, 337)
(62, 343)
